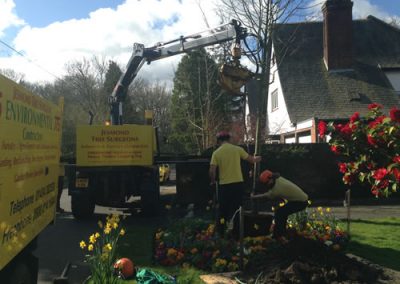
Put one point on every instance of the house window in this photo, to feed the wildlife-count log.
(394, 78)
(274, 100)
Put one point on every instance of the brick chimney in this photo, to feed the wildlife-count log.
(338, 34)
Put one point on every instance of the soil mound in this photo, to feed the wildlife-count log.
(307, 261)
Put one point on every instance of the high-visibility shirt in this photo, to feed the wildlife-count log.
(286, 189)
(227, 158)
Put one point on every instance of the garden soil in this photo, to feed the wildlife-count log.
(305, 261)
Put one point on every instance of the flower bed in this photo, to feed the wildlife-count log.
(195, 242)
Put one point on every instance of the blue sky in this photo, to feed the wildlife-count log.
(53, 33)
(40, 13)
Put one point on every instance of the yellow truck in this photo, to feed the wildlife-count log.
(30, 139)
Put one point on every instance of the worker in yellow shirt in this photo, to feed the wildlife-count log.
(277, 187)
(226, 162)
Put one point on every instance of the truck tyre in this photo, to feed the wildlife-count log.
(150, 195)
(82, 206)
(24, 270)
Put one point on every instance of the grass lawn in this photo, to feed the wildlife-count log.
(377, 240)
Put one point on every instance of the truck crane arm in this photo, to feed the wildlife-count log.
(140, 55)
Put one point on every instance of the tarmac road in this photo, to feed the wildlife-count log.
(59, 243)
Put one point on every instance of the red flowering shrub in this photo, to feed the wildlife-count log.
(369, 148)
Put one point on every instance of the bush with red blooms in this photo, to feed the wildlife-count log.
(369, 149)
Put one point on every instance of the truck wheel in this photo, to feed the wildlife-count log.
(150, 195)
(82, 206)
(21, 274)
(23, 271)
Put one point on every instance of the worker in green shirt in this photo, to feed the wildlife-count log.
(278, 187)
(226, 161)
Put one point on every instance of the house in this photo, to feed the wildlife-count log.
(329, 70)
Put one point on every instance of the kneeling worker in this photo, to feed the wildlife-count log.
(280, 188)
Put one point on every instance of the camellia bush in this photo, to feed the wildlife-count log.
(368, 148)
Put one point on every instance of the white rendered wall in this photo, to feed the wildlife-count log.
(278, 120)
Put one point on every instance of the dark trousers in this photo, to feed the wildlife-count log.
(230, 198)
(282, 213)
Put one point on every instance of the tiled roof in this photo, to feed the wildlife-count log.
(311, 91)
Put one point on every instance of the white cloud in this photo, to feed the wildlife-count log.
(8, 18)
(108, 33)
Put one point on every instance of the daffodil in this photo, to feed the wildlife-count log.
(82, 244)
(107, 230)
(90, 247)
(122, 232)
(92, 239)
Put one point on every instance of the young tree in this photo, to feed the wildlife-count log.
(260, 18)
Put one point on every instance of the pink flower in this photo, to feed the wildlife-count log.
(335, 149)
(322, 128)
(346, 130)
(355, 117)
(374, 106)
(371, 140)
(338, 127)
(396, 174)
(395, 114)
(377, 121)
(348, 179)
(379, 174)
(396, 159)
(342, 168)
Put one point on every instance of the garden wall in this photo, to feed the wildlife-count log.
(311, 166)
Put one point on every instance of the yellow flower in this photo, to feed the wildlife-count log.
(82, 244)
(107, 247)
(172, 252)
(92, 239)
(107, 230)
(115, 225)
(328, 209)
(309, 202)
(97, 235)
(281, 204)
(100, 224)
(319, 208)
(222, 221)
(273, 208)
(122, 232)
(90, 247)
